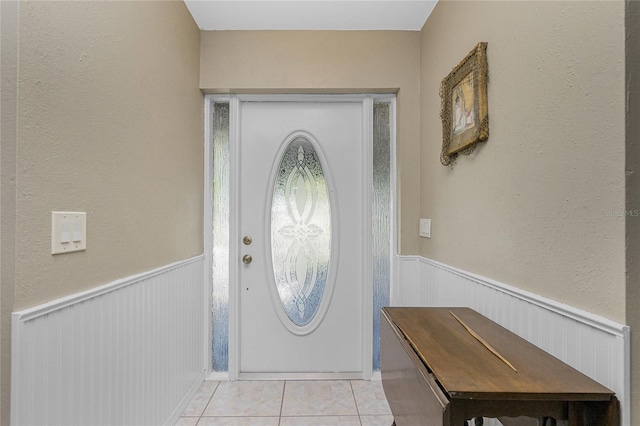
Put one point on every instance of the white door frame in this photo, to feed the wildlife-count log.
(234, 232)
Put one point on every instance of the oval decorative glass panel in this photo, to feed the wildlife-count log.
(300, 231)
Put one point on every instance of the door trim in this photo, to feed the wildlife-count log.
(234, 234)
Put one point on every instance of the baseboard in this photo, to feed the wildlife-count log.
(596, 346)
(186, 399)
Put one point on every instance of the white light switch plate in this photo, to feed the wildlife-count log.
(68, 232)
(425, 228)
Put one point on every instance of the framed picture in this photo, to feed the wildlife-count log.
(465, 117)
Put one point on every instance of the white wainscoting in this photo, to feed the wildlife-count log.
(596, 346)
(126, 353)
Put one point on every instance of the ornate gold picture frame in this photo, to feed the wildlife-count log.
(464, 113)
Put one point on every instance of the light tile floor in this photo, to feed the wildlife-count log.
(289, 403)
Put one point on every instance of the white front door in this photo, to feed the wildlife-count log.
(302, 204)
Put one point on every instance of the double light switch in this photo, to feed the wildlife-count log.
(68, 232)
(425, 228)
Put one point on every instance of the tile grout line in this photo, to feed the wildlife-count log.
(355, 401)
(208, 402)
(284, 388)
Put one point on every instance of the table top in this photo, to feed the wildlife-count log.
(466, 368)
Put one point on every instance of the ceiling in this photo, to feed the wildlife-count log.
(310, 14)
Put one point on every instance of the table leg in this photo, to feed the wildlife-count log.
(613, 412)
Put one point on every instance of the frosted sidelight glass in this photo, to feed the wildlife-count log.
(300, 231)
(220, 214)
(381, 219)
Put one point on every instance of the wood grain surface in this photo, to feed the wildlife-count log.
(465, 368)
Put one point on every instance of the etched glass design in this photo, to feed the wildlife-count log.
(382, 217)
(300, 231)
(220, 237)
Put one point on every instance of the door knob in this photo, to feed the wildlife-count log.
(247, 240)
(246, 259)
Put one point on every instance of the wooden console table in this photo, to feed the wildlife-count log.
(435, 372)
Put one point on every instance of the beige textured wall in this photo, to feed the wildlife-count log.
(110, 122)
(536, 206)
(107, 120)
(323, 61)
